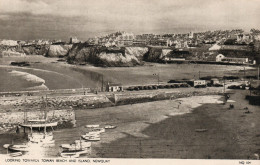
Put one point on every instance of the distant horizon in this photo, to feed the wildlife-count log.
(46, 19)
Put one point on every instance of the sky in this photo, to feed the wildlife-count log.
(62, 19)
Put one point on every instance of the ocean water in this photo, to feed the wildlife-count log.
(13, 80)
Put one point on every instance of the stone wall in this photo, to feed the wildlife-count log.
(19, 117)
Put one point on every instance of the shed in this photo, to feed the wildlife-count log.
(199, 82)
(114, 87)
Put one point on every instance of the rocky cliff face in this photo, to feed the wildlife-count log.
(102, 56)
(156, 54)
(58, 50)
(35, 49)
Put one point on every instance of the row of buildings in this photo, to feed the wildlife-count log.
(187, 40)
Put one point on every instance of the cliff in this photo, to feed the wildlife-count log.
(156, 54)
(58, 50)
(109, 57)
(35, 49)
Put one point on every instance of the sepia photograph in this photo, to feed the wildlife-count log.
(97, 81)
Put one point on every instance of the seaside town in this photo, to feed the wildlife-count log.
(201, 46)
(120, 94)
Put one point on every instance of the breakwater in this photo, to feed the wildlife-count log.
(140, 97)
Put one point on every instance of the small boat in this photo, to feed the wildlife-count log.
(16, 154)
(69, 155)
(92, 134)
(22, 147)
(110, 126)
(74, 146)
(90, 138)
(92, 126)
(100, 130)
(73, 153)
(201, 130)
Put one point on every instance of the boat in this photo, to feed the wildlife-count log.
(73, 150)
(110, 126)
(16, 154)
(100, 130)
(90, 138)
(73, 153)
(92, 126)
(21, 147)
(39, 124)
(69, 155)
(78, 144)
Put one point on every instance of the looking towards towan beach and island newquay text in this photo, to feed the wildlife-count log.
(92, 81)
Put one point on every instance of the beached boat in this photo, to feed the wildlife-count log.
(98, 130)
(16, 154)
(91, 138)
(69, 155)
(110, 126)
(92, 126)
(21, 147)
(79, 144)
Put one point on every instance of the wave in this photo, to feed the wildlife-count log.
(31, 78)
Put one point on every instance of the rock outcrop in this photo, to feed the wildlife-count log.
(109, 57)
(58, 50)
(35, 49)
(156, 54)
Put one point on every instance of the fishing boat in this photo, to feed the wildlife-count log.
(39, 124)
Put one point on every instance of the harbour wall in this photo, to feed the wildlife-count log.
(10, 120)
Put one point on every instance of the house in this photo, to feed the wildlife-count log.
(113, 87)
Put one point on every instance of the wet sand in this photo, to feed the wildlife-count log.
(230, 134)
